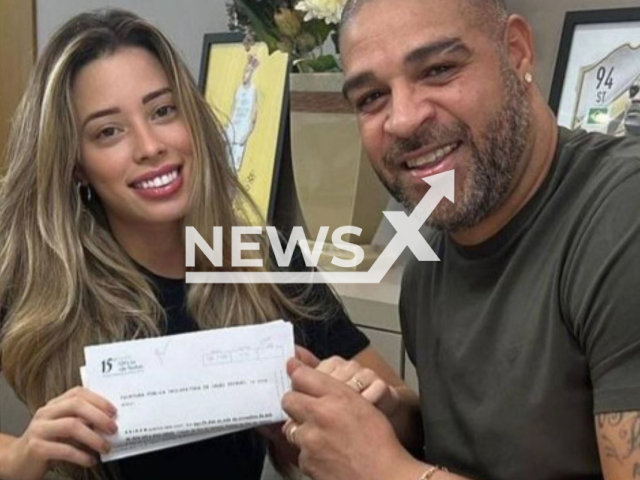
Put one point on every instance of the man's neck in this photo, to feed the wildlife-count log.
(533, 170)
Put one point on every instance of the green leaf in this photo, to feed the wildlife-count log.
(319, 29)
(323, 63)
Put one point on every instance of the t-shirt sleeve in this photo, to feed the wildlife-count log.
(334, 334)
(601, 295)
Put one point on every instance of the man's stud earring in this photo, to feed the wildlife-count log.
(528, 77)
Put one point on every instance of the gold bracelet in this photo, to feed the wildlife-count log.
(431, 472)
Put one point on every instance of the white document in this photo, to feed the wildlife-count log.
(182, 388)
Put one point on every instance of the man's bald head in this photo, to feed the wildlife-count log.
(489, 15)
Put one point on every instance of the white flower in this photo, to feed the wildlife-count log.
(327, 10)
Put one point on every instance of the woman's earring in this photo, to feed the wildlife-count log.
(84, 192)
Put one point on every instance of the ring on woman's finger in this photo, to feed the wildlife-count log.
(358, 384)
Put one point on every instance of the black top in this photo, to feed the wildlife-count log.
(239, 455)
(520, 340)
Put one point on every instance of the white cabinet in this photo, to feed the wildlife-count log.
(387, 344)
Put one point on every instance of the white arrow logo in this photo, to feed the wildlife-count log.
(407, 235)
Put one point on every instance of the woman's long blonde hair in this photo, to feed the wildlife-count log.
(64, 280)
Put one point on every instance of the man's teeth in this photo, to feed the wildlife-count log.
(432, 157)
(159, 181)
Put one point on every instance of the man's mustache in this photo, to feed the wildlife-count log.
(431, 135)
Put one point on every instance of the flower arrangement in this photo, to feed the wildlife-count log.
(297, 27)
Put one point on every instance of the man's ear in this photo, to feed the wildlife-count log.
(519, 44)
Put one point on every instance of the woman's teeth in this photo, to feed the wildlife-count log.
(432, 157)
(158, 182)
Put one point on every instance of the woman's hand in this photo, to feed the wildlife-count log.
(363, 380)
(68, 429)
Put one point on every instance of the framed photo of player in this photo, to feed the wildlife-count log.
(248, 90)
(596, 83)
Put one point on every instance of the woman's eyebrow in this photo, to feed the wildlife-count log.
(111, 111)
(100, 113)
(155, 94)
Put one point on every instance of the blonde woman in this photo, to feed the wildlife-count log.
(113, 152)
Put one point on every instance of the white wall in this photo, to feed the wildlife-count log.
(184, 21)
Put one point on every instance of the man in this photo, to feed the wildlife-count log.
(526, 334)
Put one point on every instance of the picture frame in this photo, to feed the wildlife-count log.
(596, 81)
(248, 90)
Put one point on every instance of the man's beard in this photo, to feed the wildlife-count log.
(491, 169)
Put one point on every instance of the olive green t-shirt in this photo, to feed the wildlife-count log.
(519, 341)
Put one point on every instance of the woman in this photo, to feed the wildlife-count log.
(113, 153)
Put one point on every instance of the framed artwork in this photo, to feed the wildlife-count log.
(596, 84)
(248, 91)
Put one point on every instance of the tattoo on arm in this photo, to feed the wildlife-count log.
(619, 436)
(614, 419)
(609, 449)
(634, 435)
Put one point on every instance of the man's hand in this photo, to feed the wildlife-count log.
(284, 454)
(339, 433)
(371, 376)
